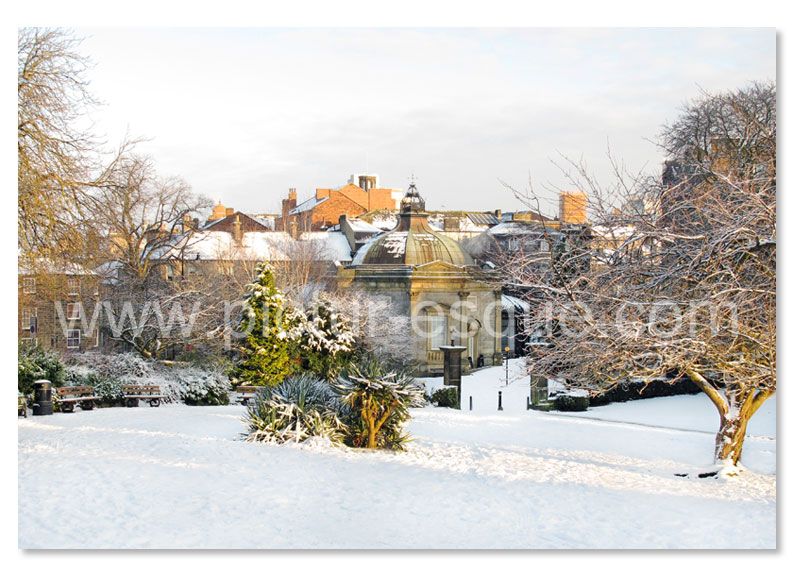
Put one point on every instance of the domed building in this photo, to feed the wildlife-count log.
(432, 280)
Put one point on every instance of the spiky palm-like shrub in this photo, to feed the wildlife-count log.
(378, 400)
(300, 407)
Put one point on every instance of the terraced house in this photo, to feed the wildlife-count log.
(56, 306)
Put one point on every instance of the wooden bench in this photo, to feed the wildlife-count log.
(245, 393)
(69, 396)
(21, 405)
(134, 394)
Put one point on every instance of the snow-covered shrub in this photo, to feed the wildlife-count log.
(127, 367)
(326, 340)
(300, 407)
(565, 402)
(36, 363)
(446, 397)
(107, 373)
(109, 389)
(378, 402)
(199, 386)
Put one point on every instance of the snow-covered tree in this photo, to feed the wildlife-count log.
(271, 333)
(674, 276)
(327, 339)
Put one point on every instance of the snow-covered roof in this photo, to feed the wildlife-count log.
(272, 246)
(309, 204)
(481, 219)
(46, 266)
(220, 245)
(268, 222)
(385, 221)
(466, 222)
(361, 254)
(512, 303)
(516, 228)
(613, 231)
(358, 225)
(336, 246)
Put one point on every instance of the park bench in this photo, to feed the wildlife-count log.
(69, 396)
(245, 393)
(134, 394)
(21, 405)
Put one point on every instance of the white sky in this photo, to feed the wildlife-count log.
(244, 114)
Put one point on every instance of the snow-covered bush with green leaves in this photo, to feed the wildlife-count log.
(300, 407)
(37, 363)
(108, 388)
(179, 382)
(199, 386)
(326, 338)
(446, 397)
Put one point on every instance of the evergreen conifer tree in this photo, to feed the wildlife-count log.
(271, 333)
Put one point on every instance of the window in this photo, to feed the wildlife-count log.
(29, 319)
(437, 331)
(73, 339)
(73, 286)
(28, 341)
(73, 310)
(544, 246)
(514, 244)
(168, 272)
(29, 285)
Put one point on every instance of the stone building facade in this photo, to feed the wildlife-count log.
(432, 280)
(56, 308)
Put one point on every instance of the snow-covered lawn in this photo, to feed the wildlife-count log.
(179, 477)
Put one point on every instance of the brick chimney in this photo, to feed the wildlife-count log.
(572, 206)
(286, 205)
(237, 230)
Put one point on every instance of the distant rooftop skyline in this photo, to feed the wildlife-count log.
(243, 115)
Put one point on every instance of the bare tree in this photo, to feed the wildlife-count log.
(59, 159)
(301, 268)
(677, 274)
(380, 330)
(153, 297)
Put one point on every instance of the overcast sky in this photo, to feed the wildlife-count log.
(245, 114)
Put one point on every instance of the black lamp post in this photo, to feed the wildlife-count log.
(506, 350)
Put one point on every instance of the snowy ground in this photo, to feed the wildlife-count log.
(179, 477)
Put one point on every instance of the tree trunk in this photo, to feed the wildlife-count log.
(735, 407)
(729, 440)
(372, 436)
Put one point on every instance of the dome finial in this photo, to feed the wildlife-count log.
(412, 201)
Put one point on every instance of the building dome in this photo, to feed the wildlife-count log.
(413, 242)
